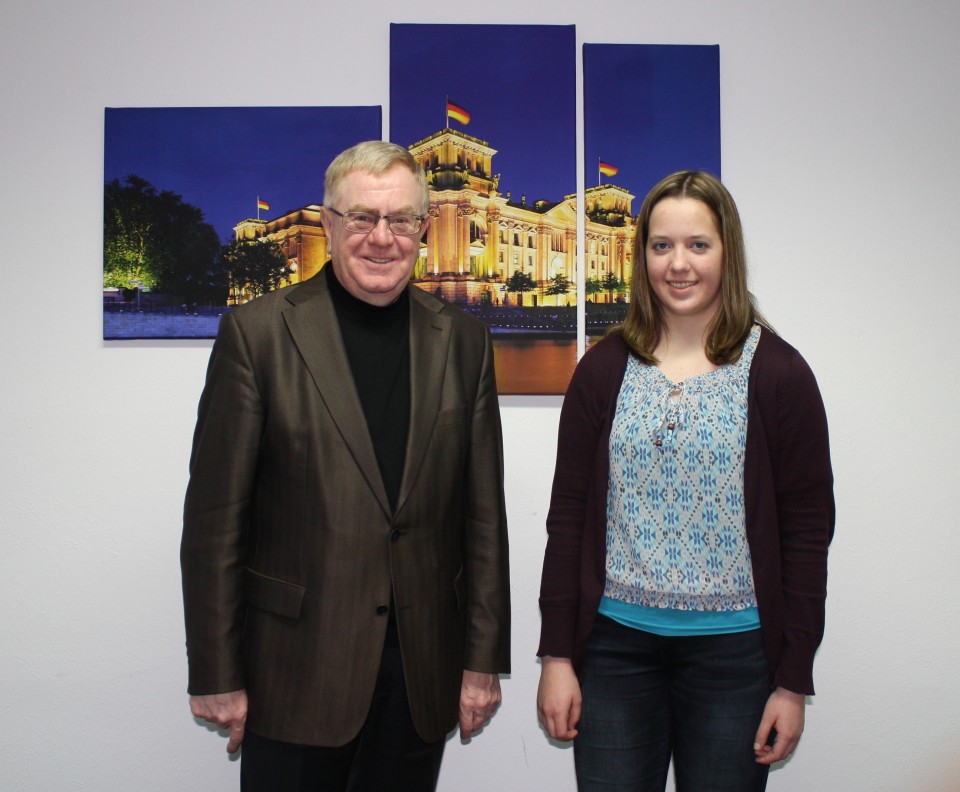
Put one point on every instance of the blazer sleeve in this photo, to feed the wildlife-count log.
(486, 551)
(805, 512)
(223, 467)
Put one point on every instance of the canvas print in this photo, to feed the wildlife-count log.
(206, 208)
(490, 113)
(649, 110)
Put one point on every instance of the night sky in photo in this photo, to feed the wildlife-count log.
(518, 82)
(220, 159)
(650, 110)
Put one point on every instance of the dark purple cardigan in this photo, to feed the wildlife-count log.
(788, 500)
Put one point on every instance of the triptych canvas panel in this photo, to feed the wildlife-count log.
(206, 208)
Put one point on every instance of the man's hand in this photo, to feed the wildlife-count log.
(479, 698)
(226, 710)
(558, 698)
(783, 714)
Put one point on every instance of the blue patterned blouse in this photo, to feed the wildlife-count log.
(677, 554)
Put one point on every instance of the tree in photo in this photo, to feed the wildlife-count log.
(519, 283)
(613, 286)
(592, 287)
(154, 240)
(254, 267)
(558, 284)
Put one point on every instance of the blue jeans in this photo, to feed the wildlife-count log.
(647, 697)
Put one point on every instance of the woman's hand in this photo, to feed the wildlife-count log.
(784, 715)
(558, 698)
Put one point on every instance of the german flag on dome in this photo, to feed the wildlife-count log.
(457, 113)
(607, 169)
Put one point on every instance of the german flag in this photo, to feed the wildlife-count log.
(607, 169)
(261, 204)
(457, 113)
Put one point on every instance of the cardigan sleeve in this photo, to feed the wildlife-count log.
(799, 452)
(581, 464)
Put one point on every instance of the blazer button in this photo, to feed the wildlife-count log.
(394, 534)
(382, 609)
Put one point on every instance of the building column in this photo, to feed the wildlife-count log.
(544, 270)
(433, 252)
(448, 258)
(570, 254)
(464, 213)
(493, 240)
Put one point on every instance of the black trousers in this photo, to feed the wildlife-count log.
(388, 754)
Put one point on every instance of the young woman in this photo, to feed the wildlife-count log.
(685, 571)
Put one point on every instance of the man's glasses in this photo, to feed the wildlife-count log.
(365, 222)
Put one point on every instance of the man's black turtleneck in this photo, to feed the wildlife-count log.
(377, 342)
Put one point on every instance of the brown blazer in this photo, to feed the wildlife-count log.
(290, 546)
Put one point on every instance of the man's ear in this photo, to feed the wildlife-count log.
(425, 225)
(326, 218)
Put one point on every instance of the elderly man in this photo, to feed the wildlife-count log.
(344, 552)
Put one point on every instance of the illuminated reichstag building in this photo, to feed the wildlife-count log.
(479, 237)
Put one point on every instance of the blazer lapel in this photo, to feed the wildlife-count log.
(313, 325)
(429, 340)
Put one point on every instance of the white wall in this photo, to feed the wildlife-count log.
(840, 126)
